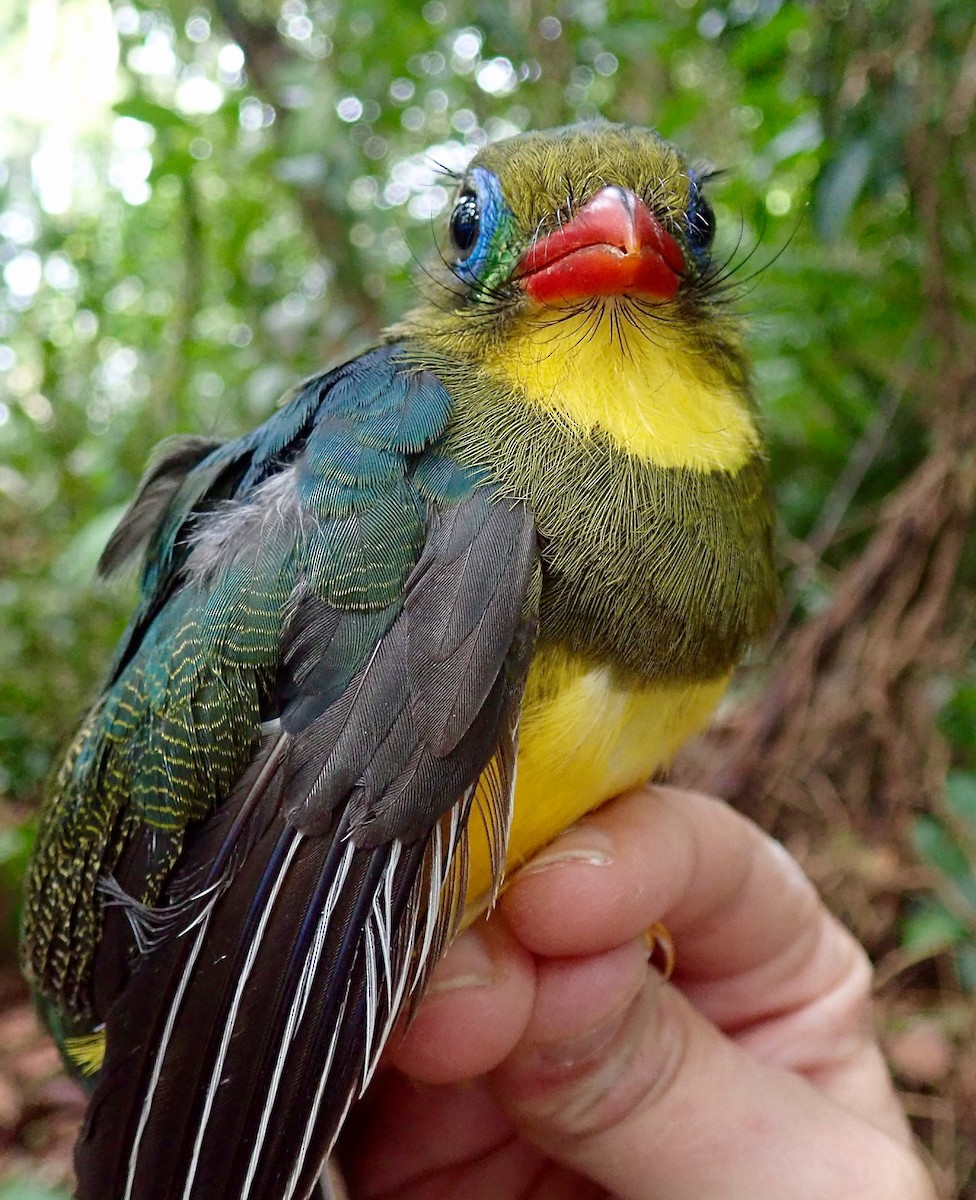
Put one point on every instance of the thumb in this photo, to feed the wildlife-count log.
(618, 1077)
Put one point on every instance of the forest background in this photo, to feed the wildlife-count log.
(200, 203)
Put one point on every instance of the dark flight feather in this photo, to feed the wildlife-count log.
(260, 834)
(310, 907)
(173, 461)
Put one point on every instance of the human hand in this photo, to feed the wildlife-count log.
(549, 1061)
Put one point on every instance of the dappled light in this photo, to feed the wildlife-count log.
(201, 204)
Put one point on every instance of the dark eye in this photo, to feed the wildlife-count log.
(701, 222)
(465, 223)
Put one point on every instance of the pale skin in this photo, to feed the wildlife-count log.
(550, 1061)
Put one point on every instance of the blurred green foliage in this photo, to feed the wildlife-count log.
(26, 1189)
(248, 201)
(201, 202)
(946, 842)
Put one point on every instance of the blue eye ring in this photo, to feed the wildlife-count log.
(701, 221)
(474, 220)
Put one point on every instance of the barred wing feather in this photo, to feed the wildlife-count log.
(313, 903)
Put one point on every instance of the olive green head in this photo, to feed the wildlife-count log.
(587, 216)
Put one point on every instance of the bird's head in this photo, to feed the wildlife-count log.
(576, 226)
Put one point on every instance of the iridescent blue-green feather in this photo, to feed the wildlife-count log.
(256, 848)
(310, 504)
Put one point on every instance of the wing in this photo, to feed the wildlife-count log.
(156, 752)
(313, 904)
(257, 846)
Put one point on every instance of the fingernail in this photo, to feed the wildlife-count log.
(582, 844)
(468, 964)
(571, 1052)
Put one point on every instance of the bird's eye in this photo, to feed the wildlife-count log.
(701, 222)
(465, 224)
(702, 225)
(478, 228)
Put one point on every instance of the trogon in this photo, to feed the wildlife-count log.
(452, 595)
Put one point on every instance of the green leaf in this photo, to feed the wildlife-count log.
(76, 564)
(15, 845)
(937, 846)
(930, 928)
(30, 1189)
(156, 115)
(958, 719)
(762, 47)
(840, 185)
(961, 797)
(965, 956)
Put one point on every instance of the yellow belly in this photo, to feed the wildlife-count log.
(583, 739)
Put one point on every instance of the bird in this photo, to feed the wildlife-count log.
(452, 595)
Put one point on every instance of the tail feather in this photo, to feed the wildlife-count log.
(240, 1046)
(309, 909)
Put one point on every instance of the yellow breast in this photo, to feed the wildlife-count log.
(585, 738)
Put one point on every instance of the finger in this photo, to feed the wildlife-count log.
(653, 1101)
(475, 1010)
(412, 1142)
(757, 953)
(740, 911)
(482, 996)
(663, 854)
(404, 1132)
